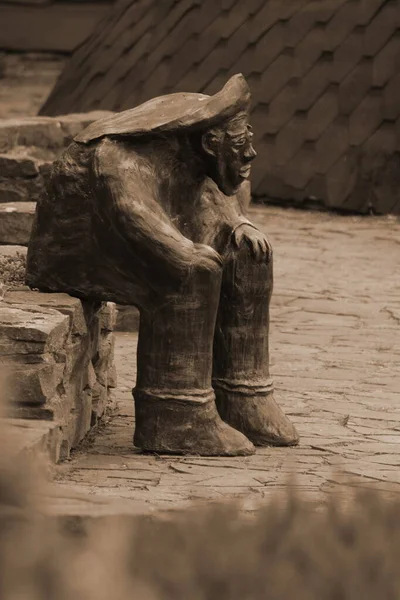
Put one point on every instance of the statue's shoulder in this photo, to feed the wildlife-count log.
(114, 156)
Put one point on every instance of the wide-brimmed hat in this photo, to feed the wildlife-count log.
(174, 112)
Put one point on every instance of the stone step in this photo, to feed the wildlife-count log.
(16, 221)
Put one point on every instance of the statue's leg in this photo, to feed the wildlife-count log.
(241, 379)
(174, 400)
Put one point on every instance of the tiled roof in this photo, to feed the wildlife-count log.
(324, 74)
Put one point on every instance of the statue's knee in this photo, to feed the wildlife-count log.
(247, 255)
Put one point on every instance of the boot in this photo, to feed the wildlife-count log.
(253, 411)
(175, 425)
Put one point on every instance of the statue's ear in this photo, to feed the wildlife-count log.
(209, 142)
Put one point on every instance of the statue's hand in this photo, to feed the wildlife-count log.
(256, 240)
(206, 258)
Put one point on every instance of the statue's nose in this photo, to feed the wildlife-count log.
(250, 153)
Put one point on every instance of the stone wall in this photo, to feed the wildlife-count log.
(56, 351)
(57, 355)
(28, 147)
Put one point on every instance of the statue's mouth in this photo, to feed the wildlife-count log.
(245, 171)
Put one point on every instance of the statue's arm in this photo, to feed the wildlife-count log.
(127, 198)
(126, 188)
(244, 230)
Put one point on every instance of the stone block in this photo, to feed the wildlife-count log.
(75, 354)
(108, 314)
(43, 132)
(21, 190)
(104, 357)
(99, 401)
(31, 330)
(18, 163)
(33, 384)
(64, 303)
(16, 221)
(82, 417)
(41, 412)
(112, 375)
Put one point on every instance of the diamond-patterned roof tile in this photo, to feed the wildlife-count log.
(324, 75)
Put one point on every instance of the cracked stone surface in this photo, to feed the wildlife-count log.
(336, 364)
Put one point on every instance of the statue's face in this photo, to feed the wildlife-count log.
(230, 152)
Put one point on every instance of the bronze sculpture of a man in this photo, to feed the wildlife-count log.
(145, 208)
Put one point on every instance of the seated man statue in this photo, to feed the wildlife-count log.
(145, 208)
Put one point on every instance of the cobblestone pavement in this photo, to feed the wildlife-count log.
(336, 365)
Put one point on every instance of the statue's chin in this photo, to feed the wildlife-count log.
(229, 188)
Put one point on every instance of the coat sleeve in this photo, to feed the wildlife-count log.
(125, 185)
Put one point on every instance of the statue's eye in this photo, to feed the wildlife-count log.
(240, 141)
